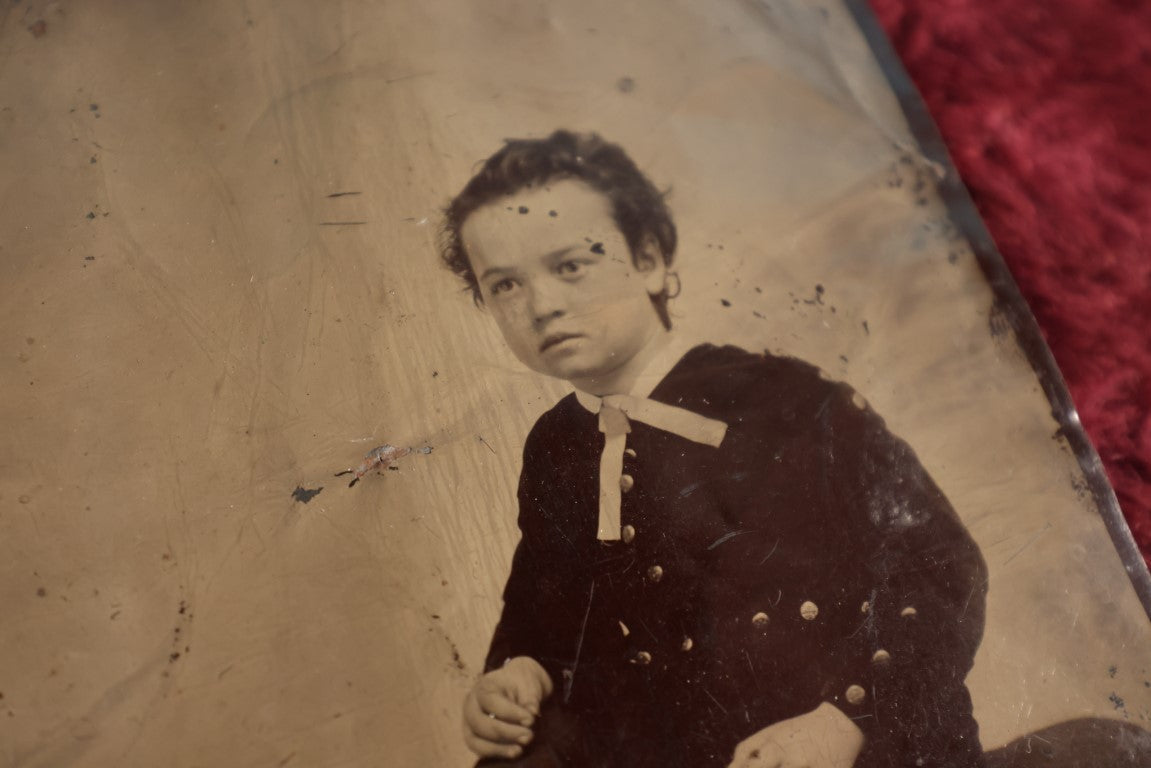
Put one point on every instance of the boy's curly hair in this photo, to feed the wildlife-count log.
(639, 209)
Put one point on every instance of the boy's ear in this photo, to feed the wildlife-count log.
(649, 261)
(648, 254)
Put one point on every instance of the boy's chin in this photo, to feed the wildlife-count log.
(579, 376)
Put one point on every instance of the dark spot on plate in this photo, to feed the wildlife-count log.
(305, 495)
(38, 28)
(725, 302)
(553, 214)
(90, 215)
(523, 209)
(94, 107)
(625, 85)
(998, 322)
(596, 248)
(866, 329)
(173, 656)
(89, 258)
(41, 592)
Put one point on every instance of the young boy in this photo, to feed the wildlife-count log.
(726, 559)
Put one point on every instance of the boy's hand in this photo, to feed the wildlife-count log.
(821, 738)
(502, 706)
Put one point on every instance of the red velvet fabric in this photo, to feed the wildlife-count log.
(1046, 110)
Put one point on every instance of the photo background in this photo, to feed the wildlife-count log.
(192, 334)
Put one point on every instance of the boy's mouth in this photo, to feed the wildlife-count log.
(556, 338)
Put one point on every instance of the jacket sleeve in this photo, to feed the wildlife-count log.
(517, 633)
(536, 616)
(901, 674)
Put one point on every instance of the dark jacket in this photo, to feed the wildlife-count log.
(808, 559)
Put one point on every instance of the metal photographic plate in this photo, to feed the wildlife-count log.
(527, 383)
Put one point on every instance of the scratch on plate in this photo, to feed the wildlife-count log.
(1030, 541)
(569, 680)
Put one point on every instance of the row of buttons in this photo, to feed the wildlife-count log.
(654, 573)
(809, 610)
(626, 483)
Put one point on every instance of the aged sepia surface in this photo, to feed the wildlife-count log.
(218, 236)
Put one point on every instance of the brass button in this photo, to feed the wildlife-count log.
(855, 694)
(808, 610)
(629, 452)
(655, 573)
(627, 533)
(643, 658)
(760, 619)
(687, 644)
(866, 607)
(909, 611)
(626, 483)
(880, 657)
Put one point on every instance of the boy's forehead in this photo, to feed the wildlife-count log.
(542, 214)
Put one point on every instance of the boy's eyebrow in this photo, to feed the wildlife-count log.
(495, 271)
(561, 252)
(550, 256)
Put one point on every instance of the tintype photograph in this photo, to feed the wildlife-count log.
(528, 384)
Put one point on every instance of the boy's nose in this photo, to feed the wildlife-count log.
(546, 304)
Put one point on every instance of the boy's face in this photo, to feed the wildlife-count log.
(558, 277)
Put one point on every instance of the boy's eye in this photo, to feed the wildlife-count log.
(570, 267)
(501, 286)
